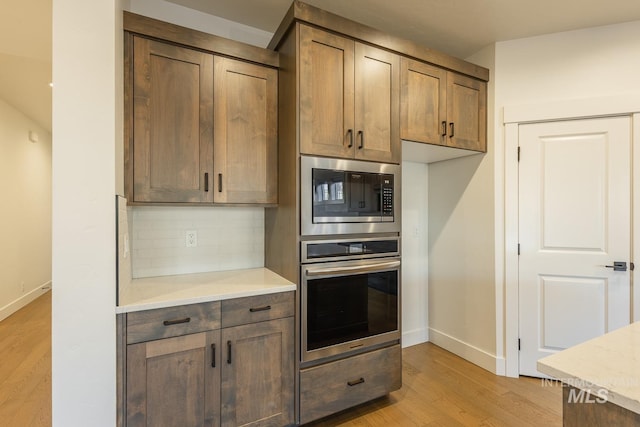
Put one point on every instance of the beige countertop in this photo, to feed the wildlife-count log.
(610, 362)
(167, 291)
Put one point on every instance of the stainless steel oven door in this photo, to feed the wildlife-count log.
(348, 306)
(386, 222)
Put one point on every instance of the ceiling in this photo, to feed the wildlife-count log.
(457, 27)
(25, 58)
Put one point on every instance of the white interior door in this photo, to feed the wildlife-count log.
(574, 220)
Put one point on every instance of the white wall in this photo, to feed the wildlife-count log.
(180, 15)
(87, 105)
(566, 70)
(25, 217)
(595, 62)
(462, 276)
(227, 239)
(415, 208)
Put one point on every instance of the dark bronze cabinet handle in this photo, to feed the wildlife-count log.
(444, 128)
(350, 133)
(229, 352)
(206, 181)
(176, 321)
(219, 183)
(355, 382)
(213, 355)
(451, 127)
(265, 308)
(361, 136)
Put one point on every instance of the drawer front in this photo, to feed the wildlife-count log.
(240, 311)
(172, 321)
(329, 388)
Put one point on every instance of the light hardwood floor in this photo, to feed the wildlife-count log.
(25, 365)
(439, 388)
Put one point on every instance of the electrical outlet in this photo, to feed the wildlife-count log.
(192, 239)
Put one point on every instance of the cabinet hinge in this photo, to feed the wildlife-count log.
(518, 344)
(518, 248)
(518, 153)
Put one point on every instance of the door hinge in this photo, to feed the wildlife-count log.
(518, 248)
(518, 344)
(518, 153)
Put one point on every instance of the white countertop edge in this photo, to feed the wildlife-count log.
(141, 306)
(600, 364)
(150, 293)
(583, 384)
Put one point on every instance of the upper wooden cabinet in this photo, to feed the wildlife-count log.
(423, 102)
(349, 98)
(466, 112)
(441, 107)
(245, 132)
(172, 123)
(200, 128)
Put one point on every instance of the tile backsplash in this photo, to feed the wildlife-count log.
(228, 238)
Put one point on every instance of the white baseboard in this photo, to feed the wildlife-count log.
(415, 336)
(468, 352)
(16, 305)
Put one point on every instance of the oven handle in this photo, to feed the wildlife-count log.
(380, 266)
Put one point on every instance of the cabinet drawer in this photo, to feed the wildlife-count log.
(240, 311)
(172, 321)
(327, 389)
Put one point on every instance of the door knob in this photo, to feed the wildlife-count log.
(618, 266)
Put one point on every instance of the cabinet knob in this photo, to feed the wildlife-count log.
(451, 128)
(361, 136)
(350, 133)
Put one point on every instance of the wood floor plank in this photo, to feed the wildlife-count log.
(25, 371)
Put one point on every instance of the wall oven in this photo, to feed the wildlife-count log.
(348, 197)
(350, 295)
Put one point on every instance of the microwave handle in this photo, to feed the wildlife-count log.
(379, 266)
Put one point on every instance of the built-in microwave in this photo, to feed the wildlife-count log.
(341, 196)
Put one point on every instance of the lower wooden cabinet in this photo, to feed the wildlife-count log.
(174, 381)
(334, 386)
(178, 375)
(257, 375)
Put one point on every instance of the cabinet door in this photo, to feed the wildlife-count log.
(174, 381)
(466, 112)
(423, 104)
(377, 100)
(245, 134)
(326, 94)
(172, 123)
(257, 374)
